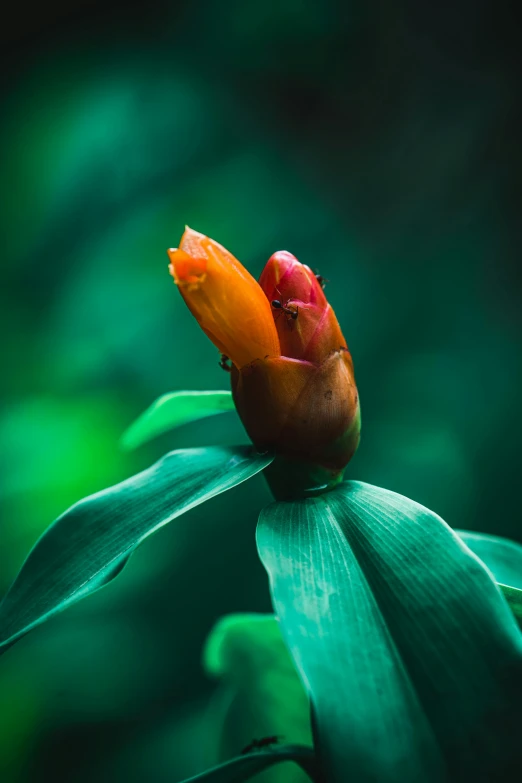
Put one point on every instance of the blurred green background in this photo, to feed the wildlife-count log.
(377, 140)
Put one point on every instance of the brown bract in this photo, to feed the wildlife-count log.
(299, 409)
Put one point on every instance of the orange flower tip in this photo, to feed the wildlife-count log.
(187, 270)
(197, 244)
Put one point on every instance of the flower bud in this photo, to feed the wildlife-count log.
(224, 298)
(292, 379)
(310, 330)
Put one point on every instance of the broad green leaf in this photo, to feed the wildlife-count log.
(504, 559)
(174, 409)
(411, 656)
(260, 693)
(89, 544)
(246, 766)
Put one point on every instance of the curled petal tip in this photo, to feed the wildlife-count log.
(225, 299)
(187, 270)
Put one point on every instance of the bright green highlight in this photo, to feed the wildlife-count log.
(172, 410)
(386, 614)
(514, 598)
(89, 544)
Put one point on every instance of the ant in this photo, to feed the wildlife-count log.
(321, 280)
(260, 744)
(224, 363)
(290, 312)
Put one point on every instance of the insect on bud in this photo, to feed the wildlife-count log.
(292, 374)
(303, 404)
(305, 322)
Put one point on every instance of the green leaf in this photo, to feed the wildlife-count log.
(90, 543)
(244, 767)
(504, 559)
(172, 410)
(502, 556)
(412, 658)
(260, 692)
(514, 598)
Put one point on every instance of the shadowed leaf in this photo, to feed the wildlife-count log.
(89, 544)
(411, 656)
(244, 767)
(260, 692)
(504, 559)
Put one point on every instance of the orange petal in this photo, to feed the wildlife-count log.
(227, 302)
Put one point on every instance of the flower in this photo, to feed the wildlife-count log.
(224, 298)
(292, 376)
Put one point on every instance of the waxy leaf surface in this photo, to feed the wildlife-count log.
(89, 544)
(411, 656)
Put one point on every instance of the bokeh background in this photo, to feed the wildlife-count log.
(378, 140)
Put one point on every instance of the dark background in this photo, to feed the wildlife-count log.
(379, 142)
